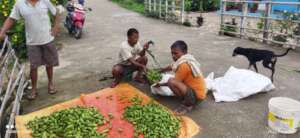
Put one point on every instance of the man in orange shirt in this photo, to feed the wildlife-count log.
(188, 83)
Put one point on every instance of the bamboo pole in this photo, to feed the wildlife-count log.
(182, 11)
(154, 5)
(16, 103)
(149, 4)
(243, 18)
(223, 9)
(166, 9)
(173, 6)
(267, 21)
(160, 4)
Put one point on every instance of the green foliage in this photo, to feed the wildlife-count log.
(134, 5)
(152, 14)
(17, 32)
(187, 23)
(153, 76)
(230, 30)
(297, 29)
(286, 26)
(280, 38)
(202, 5)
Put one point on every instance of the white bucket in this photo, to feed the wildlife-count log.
(284, 115)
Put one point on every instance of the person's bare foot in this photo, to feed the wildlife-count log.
(114, 84)
(139, 79)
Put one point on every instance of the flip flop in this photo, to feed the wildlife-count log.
(31, 95)
(52, 91)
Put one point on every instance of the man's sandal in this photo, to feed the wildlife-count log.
(31, 95)
(52, 91)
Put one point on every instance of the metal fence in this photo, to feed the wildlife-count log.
(166, 9)
(12, 85)
(266, 17)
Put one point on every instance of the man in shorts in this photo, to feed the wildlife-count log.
(39, 37)
(132, 57)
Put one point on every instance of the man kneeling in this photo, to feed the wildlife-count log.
(188, 83)
(132, 58)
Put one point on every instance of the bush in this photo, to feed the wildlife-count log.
(134, 5)
(187, 23)
(280, 38)
(230, 30)
(152, 14)
(207, 5)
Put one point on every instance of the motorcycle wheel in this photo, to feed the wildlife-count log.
(78, 33)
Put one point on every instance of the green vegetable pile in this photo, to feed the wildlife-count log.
(76, 122)
(153, 76)
(152, 120)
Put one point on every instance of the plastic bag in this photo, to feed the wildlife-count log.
(163, 90)
(237, 84)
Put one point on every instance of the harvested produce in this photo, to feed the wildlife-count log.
(152, 120)
(75, 122)
(153, 75)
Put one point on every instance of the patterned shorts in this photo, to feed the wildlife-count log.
(42, 55)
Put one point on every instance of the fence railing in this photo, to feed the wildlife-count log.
(12, 85)
(266, 17)
(165, 8)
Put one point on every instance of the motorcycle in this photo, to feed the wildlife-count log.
(75, 19)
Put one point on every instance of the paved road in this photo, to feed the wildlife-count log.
(85, 61)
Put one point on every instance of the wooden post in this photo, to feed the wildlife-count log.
(166, 10)
(243, 18)
(146, 5)
(173, 6)
(154, 5)
(160, 8)
(16, 103)
(223, 9)
(267, 22)
(149, 5)
(182, 11)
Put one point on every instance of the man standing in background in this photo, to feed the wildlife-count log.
(39, 37)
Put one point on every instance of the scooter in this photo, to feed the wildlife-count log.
(75, 19)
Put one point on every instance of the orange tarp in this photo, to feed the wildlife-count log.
(111, 103)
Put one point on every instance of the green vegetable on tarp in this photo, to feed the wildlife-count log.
(75, 122)
(153, 121)
(153, 76)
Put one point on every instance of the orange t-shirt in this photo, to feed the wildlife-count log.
(185, 75)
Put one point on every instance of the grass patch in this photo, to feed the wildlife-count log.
(298, 71)
(133, 5)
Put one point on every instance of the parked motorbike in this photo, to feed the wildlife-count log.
(75, 19)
